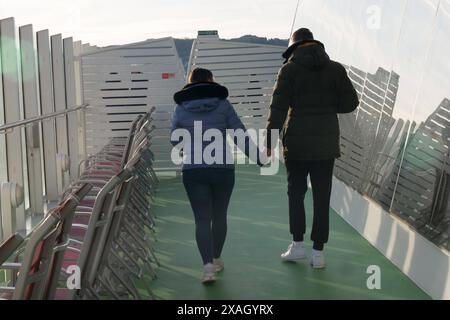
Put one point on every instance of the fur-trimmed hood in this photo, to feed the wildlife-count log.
(201, 90)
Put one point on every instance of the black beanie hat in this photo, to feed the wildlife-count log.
(299, 37)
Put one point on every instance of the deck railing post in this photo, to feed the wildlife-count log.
(47, 106)
(3, 159)
(31, 109)
(11, 197)
(13, 108)
(62, 167)
(81, 114)
(59, 92)
(71, 100)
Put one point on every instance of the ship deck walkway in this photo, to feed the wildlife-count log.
(258, 232)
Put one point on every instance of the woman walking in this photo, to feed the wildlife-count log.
(209, 185)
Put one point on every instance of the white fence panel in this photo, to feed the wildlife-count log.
(121, 82)
(13, 109)
(32, 109)
(249, 71)
(47, 107)
(34, 79)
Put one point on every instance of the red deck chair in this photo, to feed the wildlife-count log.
(40, 258)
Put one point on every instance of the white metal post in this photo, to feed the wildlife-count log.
(59, 92)
(71, 101)
(77, 50)
(47, 107)
(31, 109)
(13, 112)
(11, 197)
(3, 168)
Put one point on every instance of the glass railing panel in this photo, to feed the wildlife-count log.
(395, 147)
(421, 195)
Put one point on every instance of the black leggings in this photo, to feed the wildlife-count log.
(209, 191)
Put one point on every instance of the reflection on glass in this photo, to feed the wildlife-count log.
(395, 148)
(364, 133)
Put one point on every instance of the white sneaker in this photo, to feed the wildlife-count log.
(219, 265)
(317, 259)
(296, 251)
(209, 273)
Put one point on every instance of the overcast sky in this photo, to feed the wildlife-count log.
(105, 22)
(341, 24)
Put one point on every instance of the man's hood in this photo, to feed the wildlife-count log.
(201, 105)
(312, 57)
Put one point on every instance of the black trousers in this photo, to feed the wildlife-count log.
(321, 174)
(209, 191)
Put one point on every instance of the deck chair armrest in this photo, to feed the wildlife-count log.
(8, 247)
(83, 213)
(99, 176)
(70, 248)
(80, 226)
(11, 266)
(106, 167)
(98, 181)
(75, 241)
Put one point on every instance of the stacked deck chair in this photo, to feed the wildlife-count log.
(34, 263)
(111, 239)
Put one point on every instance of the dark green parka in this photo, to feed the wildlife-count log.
(311, 91)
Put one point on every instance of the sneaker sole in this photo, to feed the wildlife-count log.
(294, 259)
(219, 270)
(318, 267)
(209, 281)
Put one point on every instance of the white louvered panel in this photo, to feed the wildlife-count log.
(246, 78)
(153, 67)
(236, 86)
(122, 82)
(238, 58)
(108, 94)
(130, 84)
(236, 65)
(131, 53)
(130, 101)
(249, 71)
(252, 91)
(113, 61)
(235, 50)
(109, 78)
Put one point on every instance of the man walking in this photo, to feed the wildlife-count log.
(311, 91)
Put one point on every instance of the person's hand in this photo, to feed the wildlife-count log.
(260, 164)
(262, 158)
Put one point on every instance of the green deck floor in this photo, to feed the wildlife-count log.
(257, 234)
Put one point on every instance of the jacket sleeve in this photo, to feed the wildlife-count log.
(348, 98)
(234, 122)
(281, 101)
(175, 125)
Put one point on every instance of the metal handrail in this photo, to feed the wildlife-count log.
(25, 122)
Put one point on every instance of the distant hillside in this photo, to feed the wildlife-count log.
(262, 40)
(184, 46)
